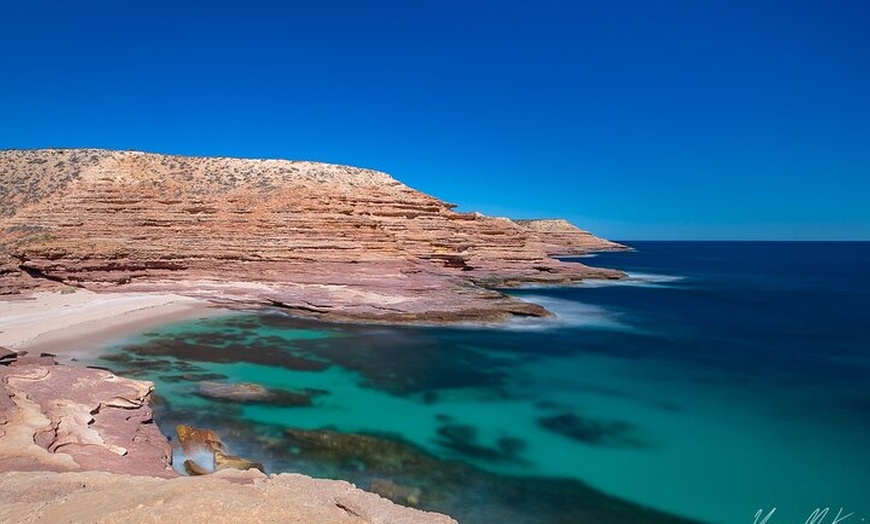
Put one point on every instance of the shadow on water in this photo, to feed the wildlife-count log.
(595, 432)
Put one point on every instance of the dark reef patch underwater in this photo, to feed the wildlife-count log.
(723, 378)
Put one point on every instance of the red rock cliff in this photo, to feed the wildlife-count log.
(320, 239)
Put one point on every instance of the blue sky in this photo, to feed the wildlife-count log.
(636, 119)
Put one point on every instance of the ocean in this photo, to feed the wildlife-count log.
(721, 380)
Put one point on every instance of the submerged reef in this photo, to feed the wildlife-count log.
(410, 475)
(462, 472)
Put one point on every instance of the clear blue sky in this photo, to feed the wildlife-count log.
(636, 119)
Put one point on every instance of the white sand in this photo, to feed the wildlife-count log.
(74, 324)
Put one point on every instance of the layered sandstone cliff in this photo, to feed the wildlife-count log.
(319, 239)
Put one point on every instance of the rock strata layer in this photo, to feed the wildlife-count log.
(323, 240)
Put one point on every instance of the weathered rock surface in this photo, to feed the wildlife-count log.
(63, 418)
(105, 498)
(324, 240)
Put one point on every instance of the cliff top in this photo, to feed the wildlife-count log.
(27, 176)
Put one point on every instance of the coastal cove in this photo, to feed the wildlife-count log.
(450, 361)
(94, 242)
(346, 262)
(706, 385)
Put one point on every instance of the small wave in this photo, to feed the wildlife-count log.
(654, 277)
(568, 313)
(636, 280)
(577, 257)
(202, 458)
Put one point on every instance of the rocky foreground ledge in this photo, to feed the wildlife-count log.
(105, 498)
(328, 241)
(79, 445)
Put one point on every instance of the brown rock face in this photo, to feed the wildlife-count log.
(62, 418)
(319, 239)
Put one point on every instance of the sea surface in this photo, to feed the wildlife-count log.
(721, 379)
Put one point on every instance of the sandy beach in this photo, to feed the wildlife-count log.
(71, 325)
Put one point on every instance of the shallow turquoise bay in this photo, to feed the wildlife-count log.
(718, 382)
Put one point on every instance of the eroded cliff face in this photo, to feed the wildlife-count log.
(324, 240)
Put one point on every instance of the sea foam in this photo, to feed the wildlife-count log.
(635, 279)
(568, 313)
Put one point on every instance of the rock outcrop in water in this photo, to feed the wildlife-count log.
(323, 240)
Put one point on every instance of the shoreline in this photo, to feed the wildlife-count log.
(75, 325)
(109, 449)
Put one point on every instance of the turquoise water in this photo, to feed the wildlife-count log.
(722, 379)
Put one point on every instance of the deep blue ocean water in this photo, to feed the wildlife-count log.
(720, 379)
